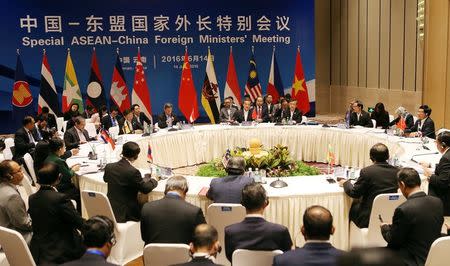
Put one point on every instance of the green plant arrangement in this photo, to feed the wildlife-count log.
(277, 162)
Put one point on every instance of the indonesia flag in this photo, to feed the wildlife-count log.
(232, 85)
(141, 93)
(253, 87)
(47, 94)
(119, 95)
(187, 95)
(275, 86)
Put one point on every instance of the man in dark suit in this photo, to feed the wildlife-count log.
(167, 119)
(281, 111)
(77, 135)
(204, 247)
(439, 181)
(50, 118)
(416, 222)
(124, 182)
(268, 104)
(293, 114)
(379, 178)
(99, 238)
(424, 125)
(139, 118)
(254, 232)
(317, 228)
(56, 239)
(359, 117)
(245, 114)
(229, 189)
(39, 127)
(260, 113)
(24, 141)
(111, 119)
(171, 219)
(227, 112)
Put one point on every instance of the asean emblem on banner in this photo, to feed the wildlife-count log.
(21, 94)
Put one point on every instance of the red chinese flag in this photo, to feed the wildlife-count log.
(187, 96)
(141, 93)
(299, 89)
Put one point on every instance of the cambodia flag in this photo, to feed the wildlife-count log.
(275, 86)
(107, 138)
(119, 95)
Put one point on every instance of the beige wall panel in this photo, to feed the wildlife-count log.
(344, 42)
(335, 42)
(385, 27)
(397, 44)
(323, 35)
(353, 40)
(373, 43)
(362, 64)
(409, 71)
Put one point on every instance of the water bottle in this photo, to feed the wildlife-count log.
(257, 177)
(250, 173)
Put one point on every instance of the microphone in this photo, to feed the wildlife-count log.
(422, 154)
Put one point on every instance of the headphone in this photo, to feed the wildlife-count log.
(109, 226)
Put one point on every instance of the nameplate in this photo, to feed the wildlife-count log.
(394, 197)
(227, 209)
(91, 194)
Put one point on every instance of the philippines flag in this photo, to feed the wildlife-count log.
(95, 91)
(119, 95)
(253, 87)
(232, 85)
(141, 93)
(275, 86)
(47, 94)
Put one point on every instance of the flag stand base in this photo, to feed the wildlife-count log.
(278, 183)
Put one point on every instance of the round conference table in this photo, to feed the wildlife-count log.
(308, 143)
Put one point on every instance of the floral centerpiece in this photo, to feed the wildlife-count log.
(277, 162)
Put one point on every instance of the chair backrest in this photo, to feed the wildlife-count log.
(27, 184)
(90, 128)
(374, 123)
(15, 248)
(59, 123)
(156, 254)
(384, 205)
(244, 257)
(64, 126)
(114, 131)
(391, 118)
(415, 119)
(97, 203)
(30, 165)
(442, 130)
(8, 152)
(439, 252)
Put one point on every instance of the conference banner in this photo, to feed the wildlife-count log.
(162, 30)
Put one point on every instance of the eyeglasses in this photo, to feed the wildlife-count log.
(18, 171)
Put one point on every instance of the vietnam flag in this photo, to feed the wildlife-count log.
(95, 91)
(187, 95)
(232, 85)
(275, 86)
(140, 94)
(119, 96)
(299, 89)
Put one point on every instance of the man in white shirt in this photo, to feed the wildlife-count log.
(227, 112)
(77, 135)
(317, 229)
(245, 114)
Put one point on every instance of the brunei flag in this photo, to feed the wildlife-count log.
(119, 95)
(210, 92)
(22, 98)
(275, 87)
(187, 95)
(71, 92)
(95, 91)
(253, 87)
(47, 95)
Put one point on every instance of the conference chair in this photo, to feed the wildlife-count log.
(3, 259)
(15, 248)
(221, 215)
(90, 128)
(439, 254)
(60, 124)
(244, 257)
(64, 126)
(158, 254)
(129, 244)
(384, 205)
(7, 152)
(29, 162)
(391, 118)
(374, 123)
(304, 119)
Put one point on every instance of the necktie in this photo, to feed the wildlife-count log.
(259, 112)
(30, 136)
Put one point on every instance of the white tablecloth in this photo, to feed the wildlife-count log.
(308, 143)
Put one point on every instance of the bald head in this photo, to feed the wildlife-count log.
(205, 236)
(317, 223)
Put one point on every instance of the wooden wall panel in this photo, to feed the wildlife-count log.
(344, 42)
(373, 44)
(410, 43)
(397, 44)
(362, 54)
(385, 55)
(353, 42)
(335, 42)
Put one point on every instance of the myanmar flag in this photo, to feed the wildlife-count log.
(71, 92)
(210, 92)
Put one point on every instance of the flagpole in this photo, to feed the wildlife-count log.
(298, 48)
(43, 51)
(68, 51)
(253, 49)
(185, 49)
(93, 48)
(17, 51)
(117, 50)
(231, 48)
(139, 49)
